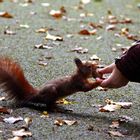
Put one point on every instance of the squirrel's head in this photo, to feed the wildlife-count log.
(87, 68)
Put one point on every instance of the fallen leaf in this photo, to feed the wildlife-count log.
(42, 63)
(70, 122)
(115, 133)
(9, 32)
(115, 124)
(60, 122)
(5, 110)
(124, 105)
(45, 114)
(101, 88)
(85, 1)
(125, 118)
(94, 57)
(90, 128)
(16, 138)
(2, 98)
(56, 13)
(41, 30)
(113, 49)
(21, 132)
(86, 32)
(111, 27)
(95, 25)
(65, 102)
(45, 4)
(54, 38)
(109, 108)
(24, 26)
(79, 50)
(28, 120)
(42, 46)
(12, 119)
(112, 106)
(28, 1)
(5, 15)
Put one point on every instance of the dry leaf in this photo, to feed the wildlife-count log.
(12, 119)
(45, 4)
(41, 46)
(125, 118)
(95, 25)
(28, 120)
(21, 132)
(2, 98)
(94, 57)
(64, 101)
(16, 138)
(45, 114)
(109, 108)
(24, 26)
(115, 133)
(124, 105)
(85, 1)
(115, 124)
(42, 63)
(54, 38)
(86, 32)
(101, 88)
(56, 13)
(5, 15)
(113, 49)
(9, 32)
(69, 122)
(112, 106)
(111, 27)
(41, 30)
(79, 50)
(60, 122)
(5, 110)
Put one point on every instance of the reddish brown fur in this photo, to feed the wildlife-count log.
(15, 84)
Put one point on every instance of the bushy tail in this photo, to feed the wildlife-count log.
(13, 82)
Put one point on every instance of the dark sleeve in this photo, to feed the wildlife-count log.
(129, 63)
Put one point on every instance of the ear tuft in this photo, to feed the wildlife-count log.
(78, 62)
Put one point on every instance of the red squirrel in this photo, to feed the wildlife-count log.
(14, 83)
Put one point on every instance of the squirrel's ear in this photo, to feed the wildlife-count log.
(78, 62)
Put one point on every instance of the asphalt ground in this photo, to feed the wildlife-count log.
(91, 124)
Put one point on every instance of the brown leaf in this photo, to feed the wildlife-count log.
(41, 30)
(95, 57)
(41, 46)
(5, 110)
(21, 132)
(5, 15)
(9, 32)
(80, 50)
(45, 4)
(86, 32)
(111, 27)
(60, 122)
(109, 108)
(54, 38)
(2, 98)
(115, 133)
(12, 119)
(56, 13)
(42, 63)
(28, 121)
(95, 25)
(125, 118)
(115, 124)
(16, 138)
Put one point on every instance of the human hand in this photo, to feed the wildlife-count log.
(115, 79)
